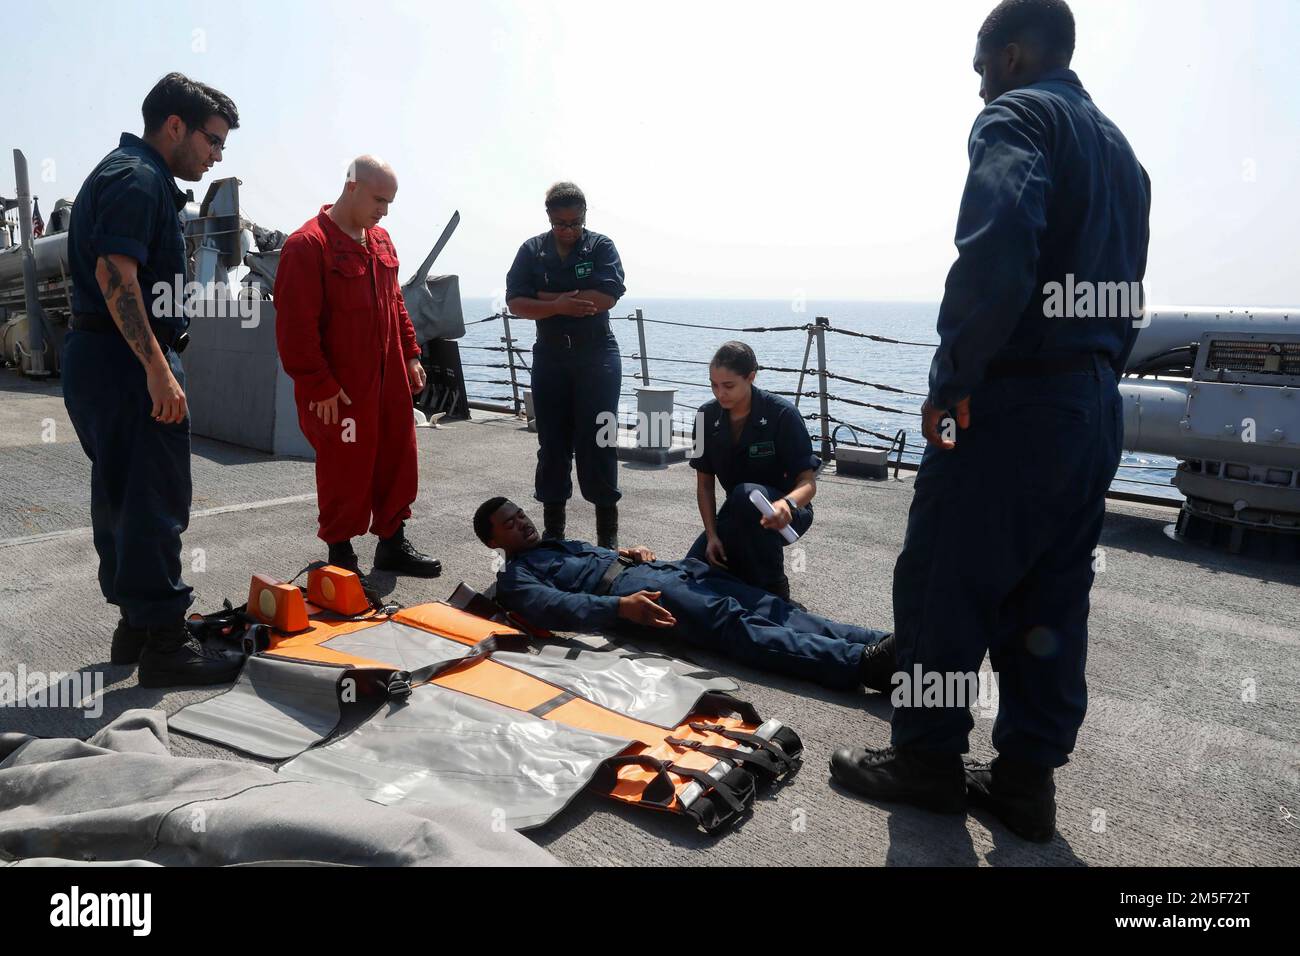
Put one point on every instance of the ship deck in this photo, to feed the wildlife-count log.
(1173, 767)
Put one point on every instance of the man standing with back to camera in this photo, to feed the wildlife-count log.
(1024, 425)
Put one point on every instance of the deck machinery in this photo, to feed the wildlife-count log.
(1219, 389)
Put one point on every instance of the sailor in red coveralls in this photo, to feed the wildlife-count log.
(346, 341)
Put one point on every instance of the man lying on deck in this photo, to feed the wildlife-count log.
(575, 586)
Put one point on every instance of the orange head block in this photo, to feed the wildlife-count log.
(336, 589)
(279, 605)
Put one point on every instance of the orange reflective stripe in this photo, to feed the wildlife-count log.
(452, 622)
(306, 646)
(504, 685)
(499, 683)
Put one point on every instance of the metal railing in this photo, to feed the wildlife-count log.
(829, 426)
(516, 364)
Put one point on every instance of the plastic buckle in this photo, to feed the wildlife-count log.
(399, 685)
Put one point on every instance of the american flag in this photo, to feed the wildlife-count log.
(38, 224)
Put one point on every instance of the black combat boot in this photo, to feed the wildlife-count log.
(607, 526)
(878, 665)
(553, 521)
(934, 781)
(342, 555)
(172, 658)
(1021, 795)
(128, 642)
(398, 555)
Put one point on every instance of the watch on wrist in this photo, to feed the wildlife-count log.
(793, 507)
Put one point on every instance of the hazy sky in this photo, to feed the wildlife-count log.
(731, 150)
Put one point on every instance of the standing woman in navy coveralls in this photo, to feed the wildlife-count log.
(747, 439)
(567, 280)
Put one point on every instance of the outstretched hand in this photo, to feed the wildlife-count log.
(640, 608)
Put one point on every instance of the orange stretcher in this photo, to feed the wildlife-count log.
(706, 763)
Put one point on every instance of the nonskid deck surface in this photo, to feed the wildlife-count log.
(1173, 766)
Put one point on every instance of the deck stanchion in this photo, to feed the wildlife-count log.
(510, 358)
(645, 360)
(803, 367)
(823, 324)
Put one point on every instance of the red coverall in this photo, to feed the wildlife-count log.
(341, 322)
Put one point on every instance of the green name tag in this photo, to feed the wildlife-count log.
(584, 269)
(763, 449)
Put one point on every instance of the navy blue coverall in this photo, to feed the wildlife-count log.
(577, 369)
(1002, 531)
(773, 450)
(140, 469)
(554, 585)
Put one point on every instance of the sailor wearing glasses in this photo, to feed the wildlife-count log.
(567, 279)
(123, 382)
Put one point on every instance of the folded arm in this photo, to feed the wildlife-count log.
(601, 300)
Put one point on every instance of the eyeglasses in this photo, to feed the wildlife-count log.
(216, 142)
(576, 224)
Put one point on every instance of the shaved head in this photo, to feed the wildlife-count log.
(370, 188)
(371, 169)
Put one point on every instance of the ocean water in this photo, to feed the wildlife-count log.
(682, 335)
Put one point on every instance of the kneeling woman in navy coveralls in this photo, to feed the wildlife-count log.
(568, 279)
(750, 439)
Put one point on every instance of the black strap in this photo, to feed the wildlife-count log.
(659, 792)
(401, 683)
(466, 599)
(377, 607)
(718, 703)
(230, 622)
(311, 567)
(617, 567)
(483, 605)
(1044, 365)
(257, 639)
(762, 759)
(710, 785)
(753, 740)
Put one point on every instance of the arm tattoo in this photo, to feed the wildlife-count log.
(124, 295)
